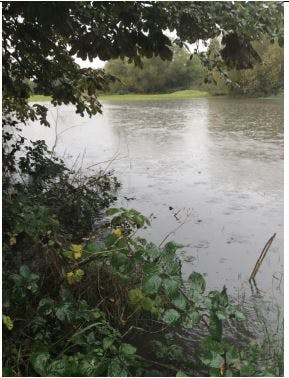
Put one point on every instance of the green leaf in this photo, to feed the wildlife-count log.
(45, 306)
(247, 369)
(57, 368)
(39, 360)
(152, 284)
(171, 287)
(193, 318)
(171, 247)
(64, 312)
(232, 355)
(180, 373)
(24, 271)
(222, 314)
(212, 359)
(239, 315)
(197, 282)
(127, 349)
(215, 327)
(110, 240)
(210, 344)
(150, 269)
(180, 301)
(152, 251)
(116, 369)
(112, 211)
(172, 267)
(107, 342)
(171, 316)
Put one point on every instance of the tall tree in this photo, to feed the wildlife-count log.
(40, 40)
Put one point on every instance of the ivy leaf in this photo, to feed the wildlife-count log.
(152, 284)
(171, 316)
(197, 282)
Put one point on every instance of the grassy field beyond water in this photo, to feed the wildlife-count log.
(188, 93)
(185, 94)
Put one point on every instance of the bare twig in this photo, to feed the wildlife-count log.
(261, 257)
(176, 229)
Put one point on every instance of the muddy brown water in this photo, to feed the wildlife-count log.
(213, 165)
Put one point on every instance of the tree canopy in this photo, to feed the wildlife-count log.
(41, 39)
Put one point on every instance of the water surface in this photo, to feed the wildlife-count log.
(214, 166)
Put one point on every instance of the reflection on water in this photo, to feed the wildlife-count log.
(217, 163)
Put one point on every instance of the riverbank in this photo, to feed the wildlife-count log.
(185, 94)
(136, 97)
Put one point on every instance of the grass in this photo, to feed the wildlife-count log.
(39, 98)
(185, 94)
(188, 93)
(279, 96)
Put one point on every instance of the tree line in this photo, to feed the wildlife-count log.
(186, 71)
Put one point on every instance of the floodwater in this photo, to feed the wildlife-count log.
(208, 171)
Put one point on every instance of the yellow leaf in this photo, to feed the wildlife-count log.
(12, 240)
(117, 232)
(70, 278)
(76, 247)
(77, 255)
(8, 322)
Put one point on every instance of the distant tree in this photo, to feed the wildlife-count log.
(156, 75)
(265, 78)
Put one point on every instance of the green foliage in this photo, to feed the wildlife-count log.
(265, 78)
(156, 75)
(71, 305)
(133, 30)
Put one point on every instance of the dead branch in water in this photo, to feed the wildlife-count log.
(261, 257)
